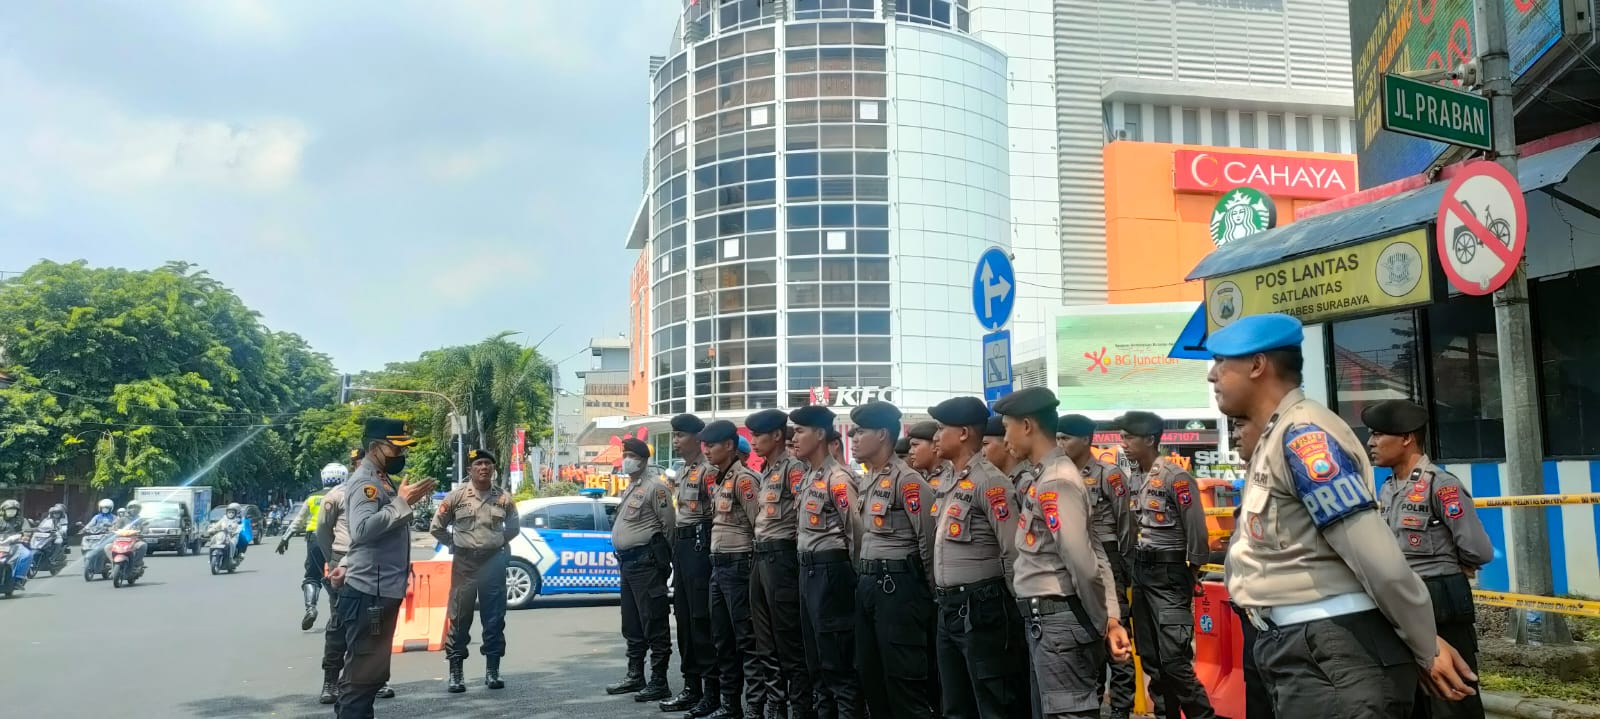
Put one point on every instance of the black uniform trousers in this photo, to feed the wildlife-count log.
(645, 625)
(1163, 625)
(1257, 701)
(981, 652)
(894, 619)
(333, 641)
(775, 615)
(734, 637)
(1348, 666)
(828, 627)
(477, 582)
(368, 624)
(1067, 656)
(1456, 617)
(1119, 675)
(315, 562)
(691, 605)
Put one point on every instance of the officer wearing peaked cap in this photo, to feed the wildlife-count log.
(978, 641)
(1113, 527)
(691, 572)
(893, 597)
(1431, 514)
(1309, 503)
(775, 582)
(477, 521)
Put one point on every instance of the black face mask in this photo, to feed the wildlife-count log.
(394, 465)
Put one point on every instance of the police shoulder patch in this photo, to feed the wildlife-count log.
(1182, 489)
(371, 491)
(1049, 507)
(841, 495)
(998, 506)
(1329, 482)
(1114, 479)
(911, 494)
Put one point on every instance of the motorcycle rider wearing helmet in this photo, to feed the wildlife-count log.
(55, 521)
(132, 520)
(305, 518)
(95, 532)
(12, 522)
(232, 522)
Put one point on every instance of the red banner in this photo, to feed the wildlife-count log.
(1278, 176)
(517, 448)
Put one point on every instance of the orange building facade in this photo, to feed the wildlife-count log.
(1160, 199)
(639, 336)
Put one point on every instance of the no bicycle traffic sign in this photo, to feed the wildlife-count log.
(1483, 228)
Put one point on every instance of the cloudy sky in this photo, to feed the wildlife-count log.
(381, 177)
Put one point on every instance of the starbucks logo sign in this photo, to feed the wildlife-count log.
(1242, 212)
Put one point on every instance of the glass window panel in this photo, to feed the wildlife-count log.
(836, 110)
(800, 112)
(761, 273)
(730, 223)
(867, 163)
(761, 141)
(869, 34)
(703, 304)
(1466, 403)
(765, 325)
(837, 137)
(762, 298)
(837, 163)
(833, 33)
(705, 253)
(762, 39)
(838, 270)
(1374, 359)
(1163, 121)
(872, 136)
(838, 215)
(730, 354)
(801, 138)
(871, 85)
(872, 188)
(872, 242)
(872, 295)
(872, 270)
(802, 243)
(762, 220)
(730, 172)
(1569, 376)
(803, 296)
(1247, 129)
(838, 188)
(804, 377)
(760, 65)
(802, 270)
(1219, 128)
(838, 323)
(761, 192)
(801, 34)
(800, 61)
(838, 349)
(730, 276)
(764, 352)
(804, 323)
(838, 295)
(730, 301)
(761, 168)
(837, 84)
(801, 164)
(1330, 135)
(801, 86)
(873, 323)
(869, 59)
(803, 189)
(805, 350)
(872, 215)
(1302, 133)
(730, 328)
(803, 216)
(839, 375)
(836, 241)
(1275, 139)
(1191, 126)
(873, 375)
(873, 349)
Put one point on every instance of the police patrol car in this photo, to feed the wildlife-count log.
(565, 548)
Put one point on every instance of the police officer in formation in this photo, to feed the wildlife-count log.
(734, 510)
(639, 539)
(1349, 608)
(775, 582)
(979, 644)
(691, 569)
(924, 456)
(999, 453)
(1062, 581)
(1431, 515)
(477, 522)
(894, 595)
(829, 536)
(1113, 529)
(1171, 546)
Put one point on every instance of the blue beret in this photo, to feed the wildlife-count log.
(876, 415)
(766, 421)
(923, 430)
(687, 423)
(961, 412)
(1256, 333)
(812, 416)
(718, 431)
(1075, 425)
(996, 427)
(1143, 424)
(744, 444)
(1027, 402)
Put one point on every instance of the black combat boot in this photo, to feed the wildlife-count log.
(685, 700)
(491, 674)
(656, 690)
(386, 691)
(330, 688)
(730, 709)
(456, 683)
(775, 710)
(631, 683)
(710, 699)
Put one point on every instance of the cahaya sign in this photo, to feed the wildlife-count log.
(1277, 175)
(1374, 276)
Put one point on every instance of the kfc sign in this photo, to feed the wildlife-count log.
(1305, 178)
(850, 396)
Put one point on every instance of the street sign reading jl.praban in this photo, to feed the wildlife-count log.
(996, 365)
(1435, 112)
(993, 289)
(1483, 228)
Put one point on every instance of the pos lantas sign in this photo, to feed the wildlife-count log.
(1277, 175)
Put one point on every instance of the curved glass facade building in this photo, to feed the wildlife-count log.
(822, 176)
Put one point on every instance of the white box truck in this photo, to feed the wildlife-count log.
(196, 502)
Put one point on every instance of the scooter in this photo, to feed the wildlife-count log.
(94, 556)
(224, 551)
(9, 544)
(49, 552)
(124, 568)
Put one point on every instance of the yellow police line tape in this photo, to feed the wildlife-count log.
(1578, 607)
(1526, 500)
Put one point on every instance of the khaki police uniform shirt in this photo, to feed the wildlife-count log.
(780, 484)
(1309, 526)
(936, 477)
(379, 561)
(1431, 513)
(645, 512)
(333, 531)
(827, 520)
(1057, 553)
(735, 507)
(483, 522)
(894, 525)
(1108, 496)
(973, 511)
(695, 490)
(1168, 513)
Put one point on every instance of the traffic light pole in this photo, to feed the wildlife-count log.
(1528, 534)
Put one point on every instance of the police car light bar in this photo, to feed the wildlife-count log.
(592, 492)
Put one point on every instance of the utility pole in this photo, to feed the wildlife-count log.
(1528, 534)
(555, 423)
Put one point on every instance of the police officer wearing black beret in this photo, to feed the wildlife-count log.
(829, 539)
(924, 457)
(477, 522)
(691, 570)
(775, 583)
(734, 507)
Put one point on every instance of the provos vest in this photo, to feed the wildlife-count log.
(313, 508)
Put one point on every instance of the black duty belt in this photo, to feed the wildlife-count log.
(477, 553)
(728, 559)
(1162, 555)
(826, 556)
(1045, 606)
(984, 589)
(764, 546)
(688, 531)
(886, 566)
(634, 553)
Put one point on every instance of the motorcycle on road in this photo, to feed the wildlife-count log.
(224, 546)
(126, 566)
(93, 548)
(10, 548)
(49, 552)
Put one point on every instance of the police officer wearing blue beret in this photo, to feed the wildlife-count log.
(1309, 505)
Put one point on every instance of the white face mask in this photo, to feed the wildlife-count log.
(632, 466)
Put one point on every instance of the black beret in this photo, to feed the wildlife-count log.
(1075, 425)
(718, 431)
(1144, 424)
(1027, 402)
(637, 447)
(767, 420)
(902, 446)
(876, 415)
(996, 427)
(961, 412)
(687, 423)
(1394, 416)
(812, 416)
(923, 430)
(833, 434)
(478, 454)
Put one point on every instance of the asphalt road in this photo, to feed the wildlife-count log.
(183, 643)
